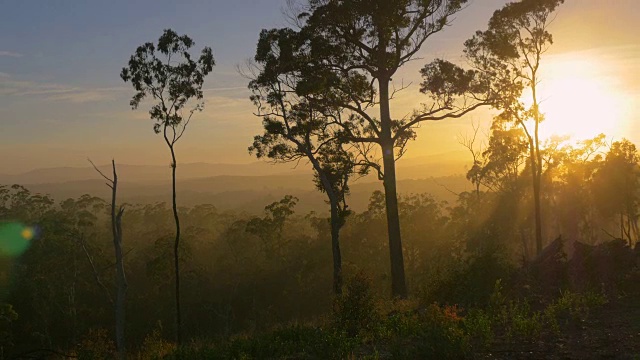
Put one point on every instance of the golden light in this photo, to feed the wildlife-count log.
(27, 233)
(579, 99)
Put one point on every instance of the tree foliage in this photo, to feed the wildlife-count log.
(509, 53)
(344, 55)
(166, 72)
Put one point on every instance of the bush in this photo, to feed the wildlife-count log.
(522, 322)
(432, 333)
(478, 325)
(514, 317)
(355, 312)
(471, 283)
(155, 346)
(293, 342)
(96, 345)
(572, 306)
(518, 320)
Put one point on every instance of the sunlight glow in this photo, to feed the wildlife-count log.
(579, 100)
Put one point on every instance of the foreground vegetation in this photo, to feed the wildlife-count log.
(362, 328)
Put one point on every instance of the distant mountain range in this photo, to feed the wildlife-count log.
(148, 173)
(242, 187)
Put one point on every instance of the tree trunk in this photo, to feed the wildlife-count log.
(536, 193)
(398, 283)
(537, 180)
(176, 247)
(538, 215)
(629, 229)
(122, 290)
(335, 223)
(335, 247)
(121, 280)
(120, 297)
(634, 224)
(525, 246)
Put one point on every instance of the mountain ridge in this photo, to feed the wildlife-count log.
(243, 187)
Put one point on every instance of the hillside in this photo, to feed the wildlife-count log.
(242, 187)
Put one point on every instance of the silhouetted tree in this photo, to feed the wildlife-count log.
(503, 159)
(569, 178)
(617, 188)
(79, 218)
(269, 228)
(351, 51)
(121, 279)
(510, 51)
(296, 127)
(168, 74)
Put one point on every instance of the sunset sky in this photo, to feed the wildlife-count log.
(62, 100)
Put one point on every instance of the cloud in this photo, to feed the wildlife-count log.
(84, 95)
(231, 88)
(55, 92)
(141, 114)
(10, 54)
(230, 92)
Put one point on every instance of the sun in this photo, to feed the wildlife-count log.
(578, 100)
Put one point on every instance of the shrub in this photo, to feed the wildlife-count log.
(293, 342)
(96, 345)
(572, 306)
(518, 320)
(472, 282)
(478, 325)
(155, 346)
(433, 333)
(522, 322)
(514, 317)
(355, 312)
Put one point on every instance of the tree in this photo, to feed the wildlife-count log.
(168, 74)
(503, 159)
(121, 279)
(494, 214)
(297, 128)
(269, 228)
(352, 49)
(617, 188)
(568, 171)
(510, 51)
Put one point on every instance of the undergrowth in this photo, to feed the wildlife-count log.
(362, 327)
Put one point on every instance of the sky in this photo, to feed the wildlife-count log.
(62, 100)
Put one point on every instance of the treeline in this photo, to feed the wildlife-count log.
(244, 274)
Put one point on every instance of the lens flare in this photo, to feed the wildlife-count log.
(27, 233)
(15, 238)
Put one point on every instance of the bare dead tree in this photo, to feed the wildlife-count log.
(475, 173)
(121, 280)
